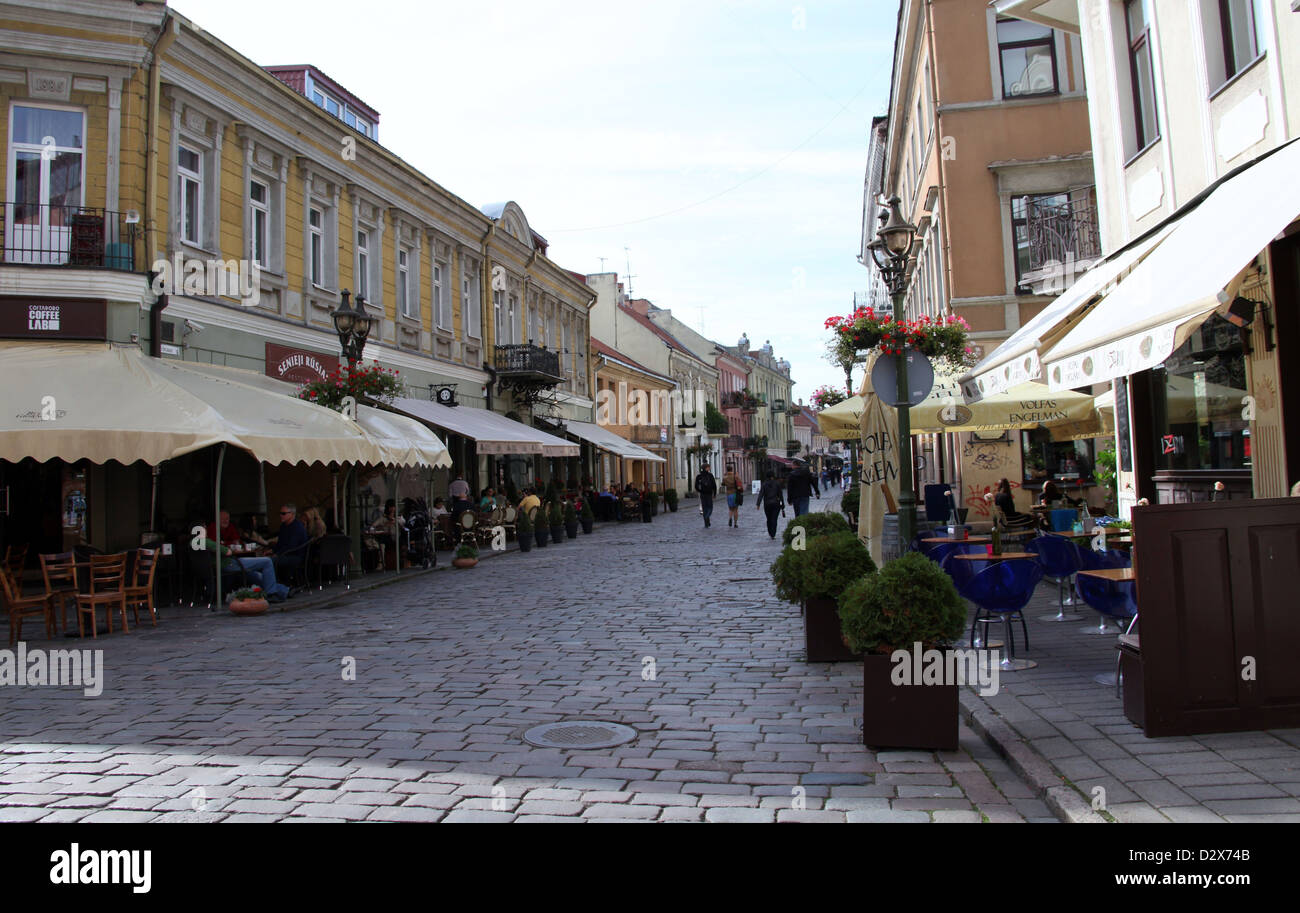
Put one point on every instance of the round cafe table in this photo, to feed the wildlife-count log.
(972, 540)
(1005, 556)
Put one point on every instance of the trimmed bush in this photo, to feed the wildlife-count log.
(818, 524)
(910, 600)
(849, 503)
(670, 498)
(823, 569)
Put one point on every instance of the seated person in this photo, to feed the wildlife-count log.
(439, 509)
(1051, 494)
(315, 525)
(1006, 503)
(488, 501)
(529, 501)
(260, 570)
(290, 544)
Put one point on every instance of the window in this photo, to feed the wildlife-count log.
(441, 303)
(363, 264)
(497, 302)
(469, 298)
(404, 305)
(45, 173)
(259, 215)
(1022, 208)
(1138, 16)
(1027, 52)
(512, 319)
(189, 170)
(316, 245)
(1240, 36)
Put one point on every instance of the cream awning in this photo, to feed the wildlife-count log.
(1167, 297)
(115, 403)
(608, 440)
(492, 432)
(405, 441)
(1016, 361)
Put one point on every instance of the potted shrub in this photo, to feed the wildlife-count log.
(670, 499)
(249, 600)
(524, 532)
(647, 510)
(570, 520)
(822, 523)
(814, 577)
(903, 618)
(555, 516)
(541, 532)
(587, 517)
(466, 556)
(653, 499)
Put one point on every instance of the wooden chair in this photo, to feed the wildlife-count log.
(60, 573)
(107, 588)
(21, 607)
(466, 528)
(15, 559)
(140, 591)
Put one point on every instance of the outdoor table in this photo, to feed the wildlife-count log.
(1116, 574)
(1005, 556)
(973, 540)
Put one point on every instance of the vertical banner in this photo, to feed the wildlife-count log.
(879, 454)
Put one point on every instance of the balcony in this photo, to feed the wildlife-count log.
(758, 442)
(733, 442)
(1063, 242)
(792, 447)
(528, 364)
(778, 405)
(79, 237)
(742, 400)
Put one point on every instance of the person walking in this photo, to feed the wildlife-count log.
(731, 486)
(798, 487)
(772, 501)
(707, 486)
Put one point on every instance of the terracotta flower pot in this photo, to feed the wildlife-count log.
(464, 562)
(248, 606)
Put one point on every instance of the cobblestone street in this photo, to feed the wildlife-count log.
(665, 627)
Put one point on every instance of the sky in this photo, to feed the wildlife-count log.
(718, 146)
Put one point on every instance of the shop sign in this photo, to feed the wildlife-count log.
(53, 318)
(298, 366)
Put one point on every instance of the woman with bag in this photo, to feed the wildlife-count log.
(772, 501)
(731, 487)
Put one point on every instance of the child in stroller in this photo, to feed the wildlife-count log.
(419, 528)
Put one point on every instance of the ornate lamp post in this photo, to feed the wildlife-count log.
(353, 327)
(892, 252)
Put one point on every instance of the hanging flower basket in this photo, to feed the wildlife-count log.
(944, 340)
(362, 383)
(825, 397)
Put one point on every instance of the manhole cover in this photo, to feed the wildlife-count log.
(579, 734)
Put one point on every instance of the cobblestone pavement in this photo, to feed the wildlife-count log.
(214, 718)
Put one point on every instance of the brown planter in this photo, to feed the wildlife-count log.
(464, 562)
(905, 716)
(248, 606)
(822, 638)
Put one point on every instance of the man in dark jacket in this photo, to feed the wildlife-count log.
(772, 501)
(707, 486)
(798, 487)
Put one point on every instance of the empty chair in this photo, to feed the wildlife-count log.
(60, 573)
(937, 497)
(1059, 560)
(962, 573)
(1001, 592)
(139, 592)
(21, 607)
(107, 588)
(333, 552)
(1110, 599)
(466, 529)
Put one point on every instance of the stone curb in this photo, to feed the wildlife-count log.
(1066, 802)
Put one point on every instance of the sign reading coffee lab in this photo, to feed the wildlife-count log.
(298, 366)
(53, 318)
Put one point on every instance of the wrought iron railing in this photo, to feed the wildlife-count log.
(733, 442)
(82, 237)
(527, 359)
(1062, 233)
(757, 442)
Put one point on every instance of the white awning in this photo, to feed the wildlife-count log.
(1167, 296)
(608, 440)
(1016, 361)
(100, 402)
(405, 441)
(491, 432)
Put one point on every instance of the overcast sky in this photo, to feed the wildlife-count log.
(722, 141)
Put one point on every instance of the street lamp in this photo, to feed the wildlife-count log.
(892, 252)
(353, 327)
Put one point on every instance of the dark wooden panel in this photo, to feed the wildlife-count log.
(1204, 673)
(1273, 606)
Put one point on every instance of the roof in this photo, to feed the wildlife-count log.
(613, 354)
(659, 331)
(318, 75)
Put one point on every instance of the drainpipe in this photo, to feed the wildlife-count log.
(155, 323)
(485, 286)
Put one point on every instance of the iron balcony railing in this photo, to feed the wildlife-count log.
(1062, 233)
(756, 443)
(528, 360)
(81, 237)
(733, 442)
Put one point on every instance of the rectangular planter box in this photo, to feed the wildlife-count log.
(821, 632)
(905, 716)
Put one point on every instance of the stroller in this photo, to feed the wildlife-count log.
(419, 529)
